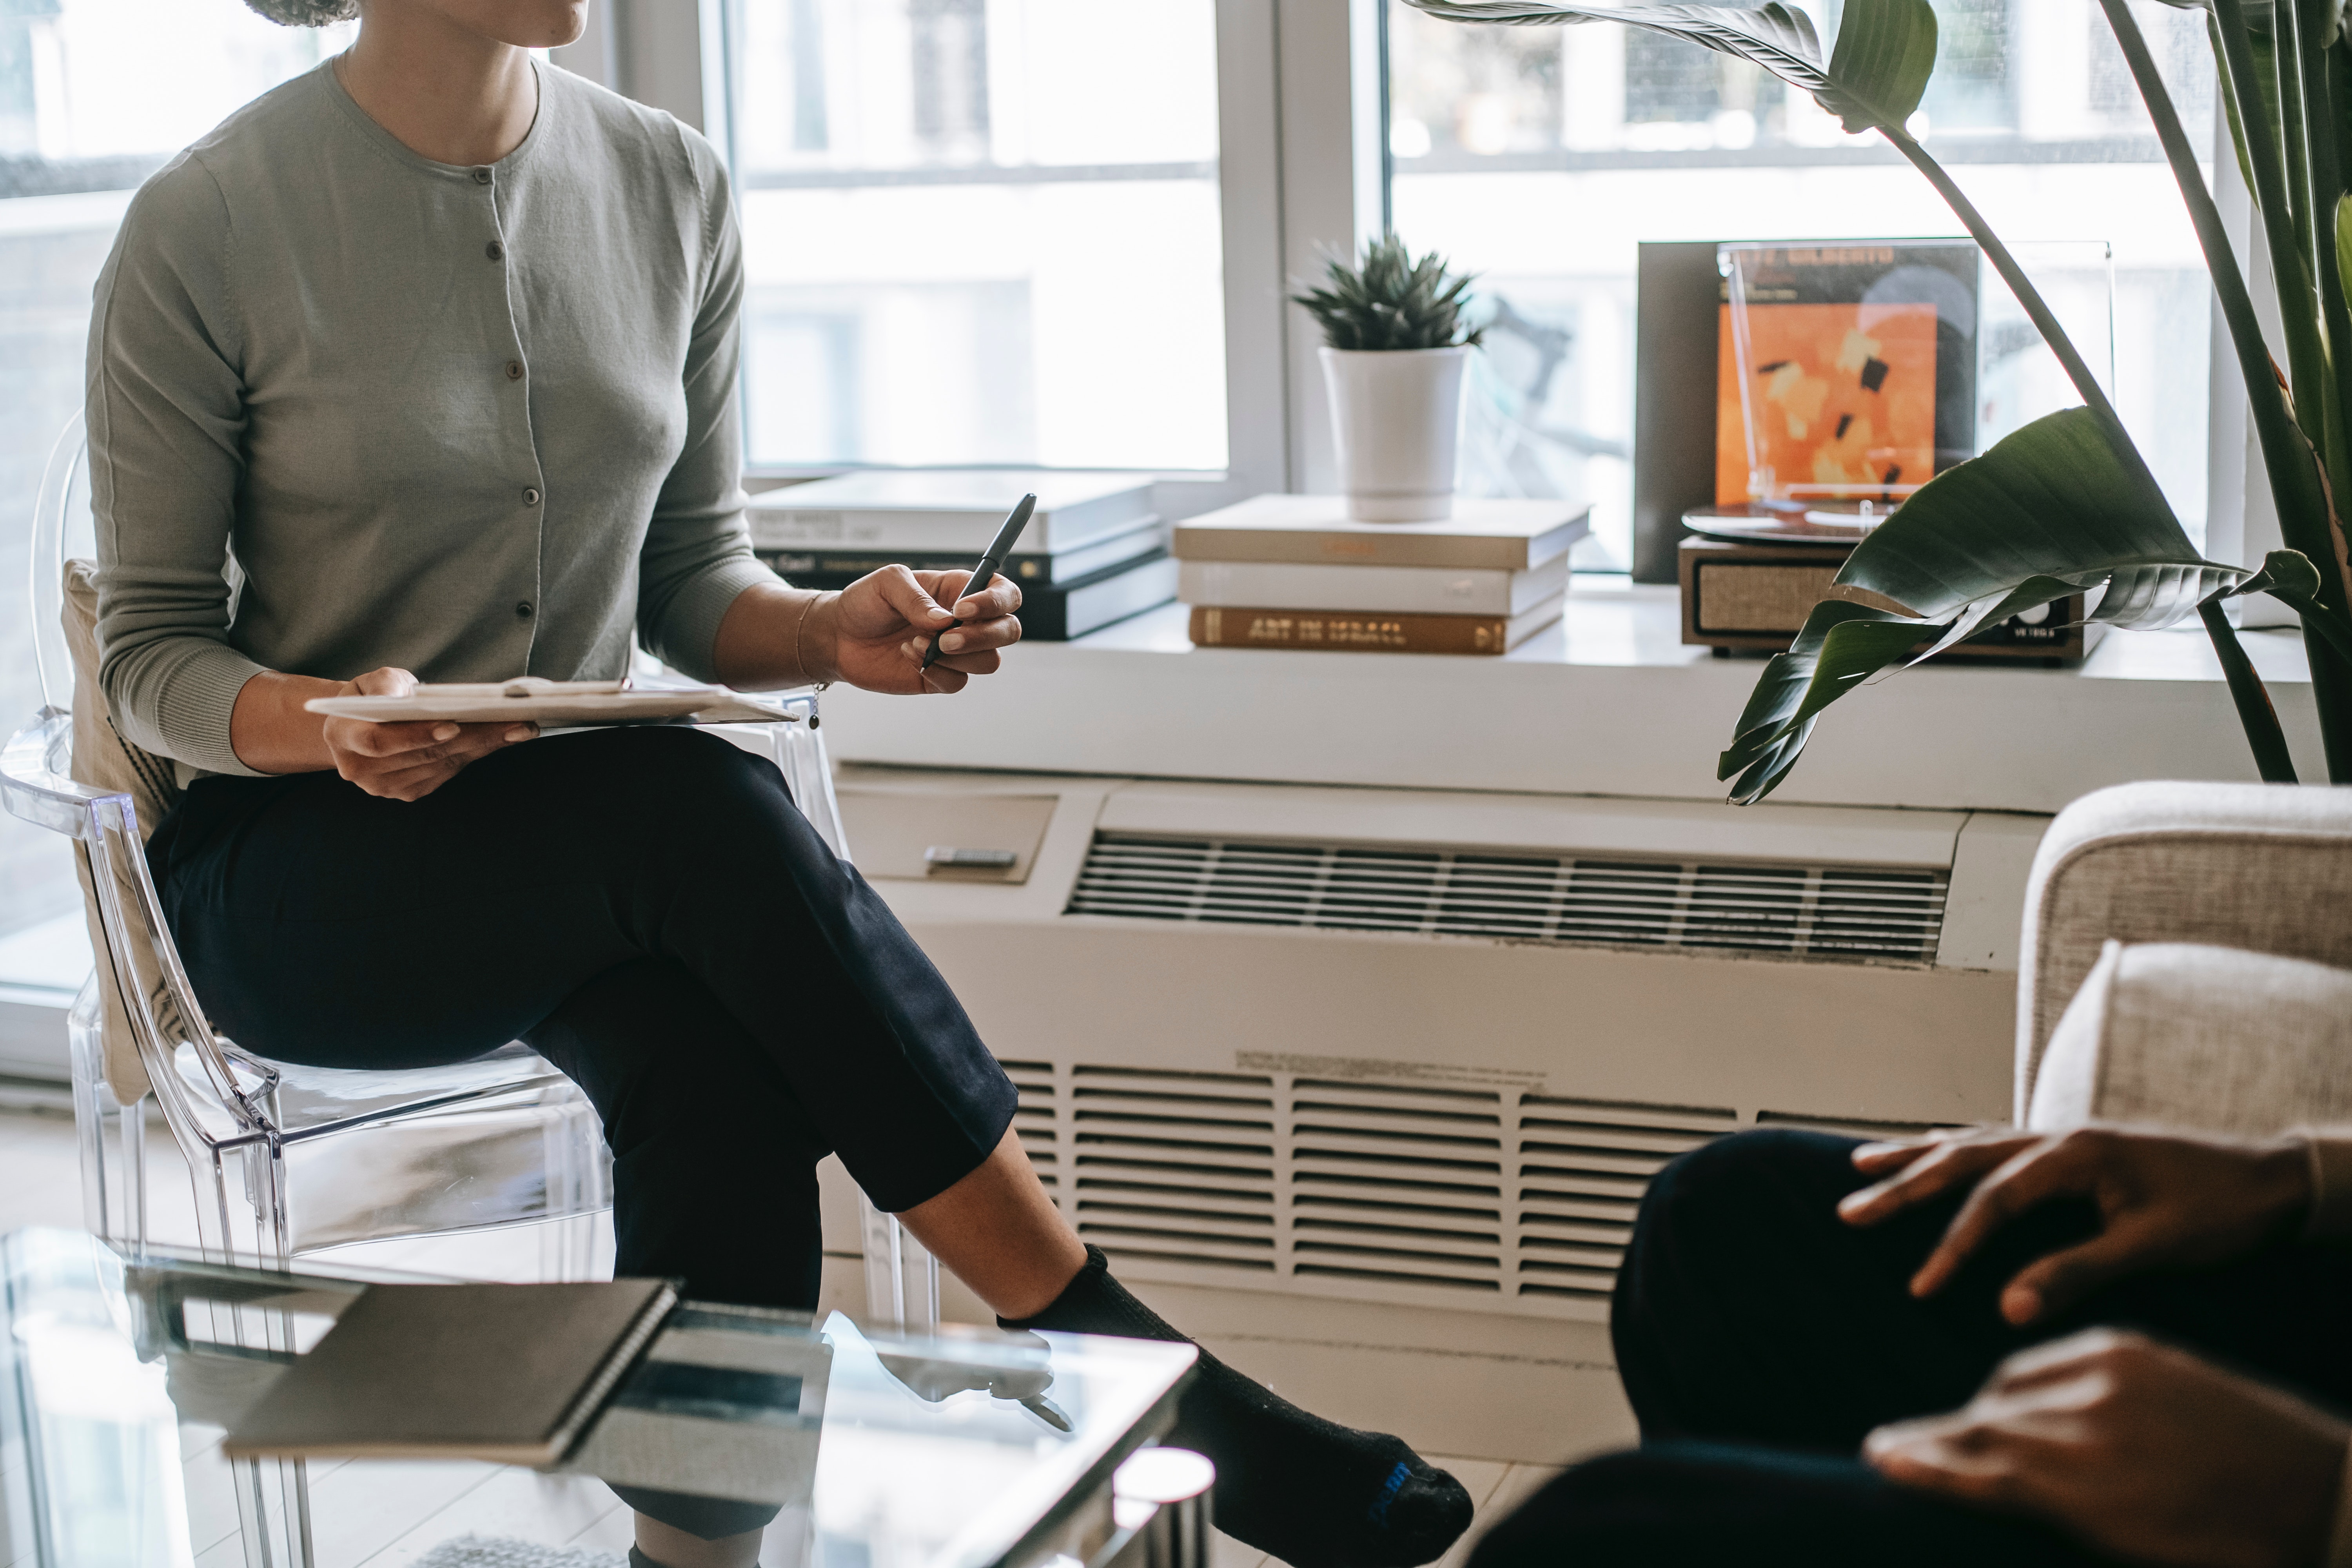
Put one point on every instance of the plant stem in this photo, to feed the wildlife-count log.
(2305, 357)
(2327, 184)
(2291, 461)
(2094, 397)
(2285, 456)
(2255, 713)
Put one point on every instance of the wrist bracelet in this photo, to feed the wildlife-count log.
(800, 661)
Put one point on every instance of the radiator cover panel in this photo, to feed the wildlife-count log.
(1499, 1200)
(1833, 912)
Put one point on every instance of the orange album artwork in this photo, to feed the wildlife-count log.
(1845, 396)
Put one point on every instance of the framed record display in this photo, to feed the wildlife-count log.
(1844, 372)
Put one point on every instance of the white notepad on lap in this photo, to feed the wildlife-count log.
(551, 703)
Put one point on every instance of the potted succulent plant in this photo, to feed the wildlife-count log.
(1394, 348)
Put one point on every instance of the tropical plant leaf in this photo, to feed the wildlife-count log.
(1842, 645)
(2043, 515)
(1885, 48)
(2052, 500)
(2344, 241)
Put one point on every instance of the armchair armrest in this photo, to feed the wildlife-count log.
(2257, 867)
(2210, 1037)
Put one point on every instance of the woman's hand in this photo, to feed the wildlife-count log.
(2166, 1200)
(408, 761)
(2142, 1450)
(875, 632)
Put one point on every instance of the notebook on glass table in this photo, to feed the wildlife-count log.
(553, 702)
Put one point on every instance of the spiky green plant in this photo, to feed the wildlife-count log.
(1390, 300)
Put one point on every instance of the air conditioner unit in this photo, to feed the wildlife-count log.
(1425, 1049)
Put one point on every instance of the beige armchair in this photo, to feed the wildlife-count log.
(2188, 959)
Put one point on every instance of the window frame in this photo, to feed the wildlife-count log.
(1302, 165)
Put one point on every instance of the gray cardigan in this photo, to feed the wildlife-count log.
(472, 422)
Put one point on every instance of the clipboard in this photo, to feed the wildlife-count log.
(556, 702)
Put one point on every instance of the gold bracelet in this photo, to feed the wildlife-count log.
(799, 661)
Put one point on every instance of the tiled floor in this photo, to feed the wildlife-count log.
(403, 1510)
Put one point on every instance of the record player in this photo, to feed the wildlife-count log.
(1754, 573)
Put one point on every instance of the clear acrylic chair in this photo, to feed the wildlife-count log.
(288, 1160)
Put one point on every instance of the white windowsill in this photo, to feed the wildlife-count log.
(1608, 702)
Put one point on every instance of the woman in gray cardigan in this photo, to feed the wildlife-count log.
(439, 347)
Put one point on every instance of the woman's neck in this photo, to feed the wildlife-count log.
(444, 91)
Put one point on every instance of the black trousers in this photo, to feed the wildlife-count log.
(648, 910)
(1760, 1338)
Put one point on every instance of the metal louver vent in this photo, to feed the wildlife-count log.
(1850, 913)
(1175, 1165)
(1492, 1199)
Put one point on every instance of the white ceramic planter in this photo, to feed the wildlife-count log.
(1397, 417)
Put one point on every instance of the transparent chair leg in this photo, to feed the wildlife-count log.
(902, 1279)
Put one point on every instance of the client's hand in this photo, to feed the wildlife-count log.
(875, 632)
(2167, 1199)
(2142, 1450)
(408, 761)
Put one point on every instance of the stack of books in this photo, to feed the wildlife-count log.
(1094, 551)
(1293, 572)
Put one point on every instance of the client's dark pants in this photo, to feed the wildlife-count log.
(650, 911)
(1761, 1337)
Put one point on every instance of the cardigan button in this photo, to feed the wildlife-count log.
(530, 495)
(522, 610)
(514, 370)
(481, 176)
(495, 251)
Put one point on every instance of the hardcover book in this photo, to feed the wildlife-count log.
(954, 512)
(1051, 613)
(1494, 535)
(839, 568)
(509, 1373)
(1404, 590)
(1216, 626)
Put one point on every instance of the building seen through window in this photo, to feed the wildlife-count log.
(1539, 157)
(980, 231)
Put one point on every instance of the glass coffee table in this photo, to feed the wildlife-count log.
(118, 1369)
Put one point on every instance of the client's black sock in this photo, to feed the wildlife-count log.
(1313, 1494)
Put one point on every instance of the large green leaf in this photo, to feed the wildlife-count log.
(2344, 241)
(1842, 645)
(2043, 515)
(2051, 501)
(1885, 48)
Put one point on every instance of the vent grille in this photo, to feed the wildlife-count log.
(1176, 1166)
(1841, 914)
(1491, 1199)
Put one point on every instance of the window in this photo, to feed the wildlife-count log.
(979, 232)
(1539, 157)
(94, 96)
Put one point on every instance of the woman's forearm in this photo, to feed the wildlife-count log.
(270, 731)
(773, 635)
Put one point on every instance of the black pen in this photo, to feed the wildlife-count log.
(990, 564)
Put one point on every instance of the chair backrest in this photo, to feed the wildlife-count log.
(52, 505)
(2265, 867)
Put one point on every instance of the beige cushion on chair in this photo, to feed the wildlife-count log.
(2210, 1038)
(2258, 866)
(104, 759)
